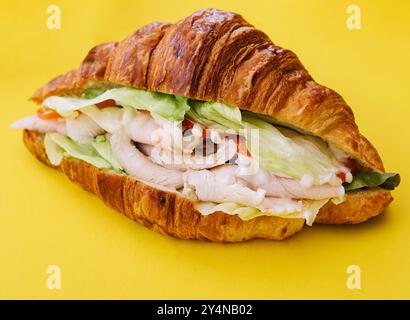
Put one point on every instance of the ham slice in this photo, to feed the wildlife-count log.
(137, 165)
(139, 126)
(281, 187)
(182, 161)
(83, 129)
(280, 205)
(216, 186)
(35, 123)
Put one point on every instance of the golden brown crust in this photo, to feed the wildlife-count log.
(359, 206)
(171, 214)
(138, 48)
(217, 56)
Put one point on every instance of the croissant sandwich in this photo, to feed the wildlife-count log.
(205, 129)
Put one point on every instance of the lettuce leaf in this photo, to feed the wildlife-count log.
(295, 156)
(216, 115)
(309, 210)
(166, 106)
(103, 147)
(387, 181)
(90, 93)
(54, 152)
(109, 118)
(97, 153)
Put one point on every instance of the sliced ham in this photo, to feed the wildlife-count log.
(280, 205)
(290, 188)
(225, 151)
(181, 161)
(139, 126)
(215, 186)
(171, 137)
(137, 165)
(35, 123)
(83, 129)
(161, 157)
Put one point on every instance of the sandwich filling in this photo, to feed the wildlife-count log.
(228, 160)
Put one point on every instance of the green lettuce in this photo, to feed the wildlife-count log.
(216, 115)
(55, 153)
(166, 106)
(309, 210)
(97, 153)
(91, 93)
(294, 156)
(387, 181)
(103, 147)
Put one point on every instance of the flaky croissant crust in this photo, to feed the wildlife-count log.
(216, 55)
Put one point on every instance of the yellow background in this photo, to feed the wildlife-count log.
(46, 220)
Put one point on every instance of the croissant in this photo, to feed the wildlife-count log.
(214, 56)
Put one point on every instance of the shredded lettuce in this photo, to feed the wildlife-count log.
(54, 152)
(109, 118)
(309, 210)
(91, 93)
(103, 147)
(216, 115)
(97, 153)
(166, 106)
(295, 157)
(387, 181)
